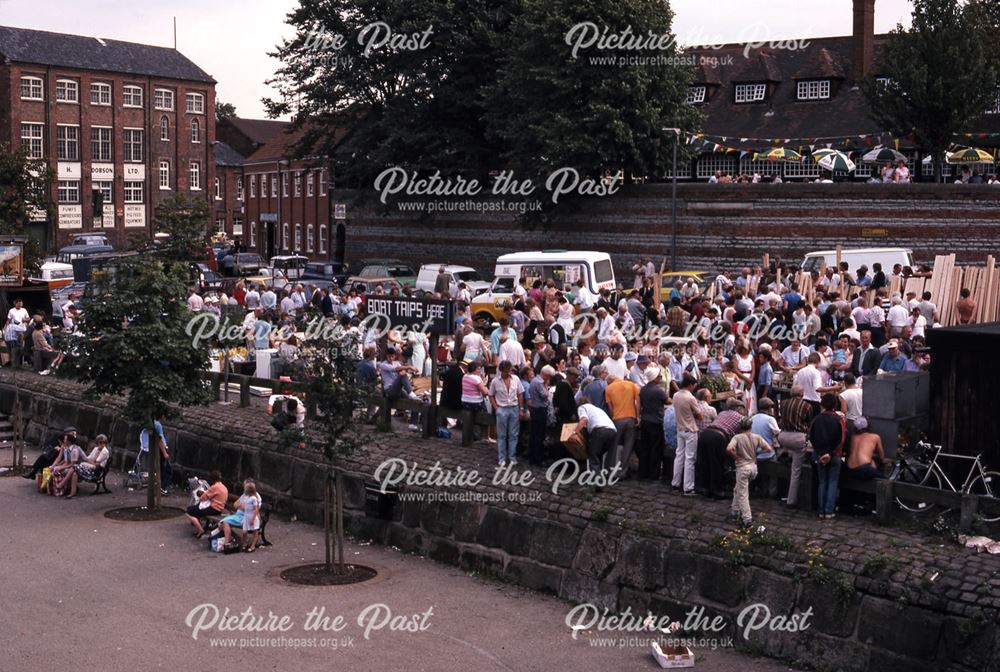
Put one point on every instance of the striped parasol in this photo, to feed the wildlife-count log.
(883, 155)
(778, 154)
(823, 153)
(970, 155)
(835, 161)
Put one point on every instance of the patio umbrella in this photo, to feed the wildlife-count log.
(837, 161)
(823, 153)
(970, 155)
(883, 155)
(778, 154)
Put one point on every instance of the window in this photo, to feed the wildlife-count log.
(105, 187)
(67, 91)
(807, 167)
(696, 94)
(194, 175)
(31, 135)
(274, 186)
(815, 90)
(164, 128)
(237, 225)
(284, 184)
(163, 99)
(298, 184)
(31, 88)
(310, 234)
(883, 82)
(322, 183)
(239, 188)
(298, 237)
(750, 93)
(195, 103)
(195, 131)
(100, 144)
(220, 223)
(253, 186)
(100, 93)
(133, 192)
(996, 104)
(709, 163)
(322, 238)
(164, 174)
(132, 96)
(132, 145)
(764, 168)
(68, 143)
(218, 189)
(309, 184)
(253, 234)
(284, 236)
(69, 191)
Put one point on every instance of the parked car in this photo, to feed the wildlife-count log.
(868, 256)
(702, 279)
(427, 278)
(389, 268)
(67, 254)
(331, 271)
(367, 285)
(205, 278)
(247, 263)
(91, 239)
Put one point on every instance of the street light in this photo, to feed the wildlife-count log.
(673, 200)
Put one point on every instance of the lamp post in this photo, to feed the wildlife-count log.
(673, 200)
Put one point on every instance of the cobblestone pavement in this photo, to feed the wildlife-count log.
(84, 592)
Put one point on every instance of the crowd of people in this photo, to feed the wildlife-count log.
(889, 173)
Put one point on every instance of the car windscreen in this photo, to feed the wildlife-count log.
(603, 271)
(469, 276)
(399, 271)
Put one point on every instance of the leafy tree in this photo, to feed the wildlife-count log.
(554, 109)
(224, 111)
(25, 187)
(339, 400)
(942, 76)
(186, 221)
(133, 343)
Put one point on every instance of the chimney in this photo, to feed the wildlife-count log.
(863, 49)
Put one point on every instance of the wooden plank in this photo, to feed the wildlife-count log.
(967, 514)
(840, 256)
(884, 503)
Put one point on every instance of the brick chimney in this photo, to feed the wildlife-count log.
(863, 49)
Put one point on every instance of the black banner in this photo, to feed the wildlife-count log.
(432, 316)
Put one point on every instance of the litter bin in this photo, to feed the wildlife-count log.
(380, 504)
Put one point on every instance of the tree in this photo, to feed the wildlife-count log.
(133, 343)
(25, 188)
(942, 76)
(554, 108)
(186, 222)
(224, 111)
(332, 388)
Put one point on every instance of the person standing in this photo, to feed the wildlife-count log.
(538, 410)
(827, 434)
(442, 283)
(966, 307)
(600, 432)
(506, 397)
(687, 413)
(622, 398)
(796, 416)
(745, 449)
(652, 401)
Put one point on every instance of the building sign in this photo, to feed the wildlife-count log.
(433, 316)
(874, 232)
(10, 264)
(68, 171)
(37, 214)
(135, 215)
(135, 171)
(340, 211)
(70, 216)
(102, 172)
(269, 218)
(108, 216)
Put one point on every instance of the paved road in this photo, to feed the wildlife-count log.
(84, 592)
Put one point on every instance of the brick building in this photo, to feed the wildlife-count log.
(227, 192)
(133, 121)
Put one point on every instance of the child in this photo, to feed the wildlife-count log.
(744, 449)
(247, 516)
(765, 376)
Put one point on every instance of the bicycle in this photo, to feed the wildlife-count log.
(924, 469)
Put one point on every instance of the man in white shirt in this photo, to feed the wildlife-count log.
(601, 438)
(605, 325)
(794, 357)
(852, 398)
(510, 351)
(18, 315)
(811, 382)
(252, 298)
(194, 302)
(898, 317)
(615, 364)
(299, 299)
(585, 299)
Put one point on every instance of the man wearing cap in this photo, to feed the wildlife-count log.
(538, 410)
(893, 361)
(637, 373)
(622, 397)
(652, 402)
(542, 353)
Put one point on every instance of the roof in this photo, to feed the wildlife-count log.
(258, 131)
(551, 255)
(282, 145)
(42, 47)
(226, 155)
(864, 250)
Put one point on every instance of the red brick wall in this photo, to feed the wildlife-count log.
(303, 210)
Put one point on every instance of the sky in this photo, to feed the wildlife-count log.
(230, 39)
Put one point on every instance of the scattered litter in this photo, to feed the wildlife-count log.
(162, 545)
(980, 544)
(293, 519)
(253, 562)
(934, 576)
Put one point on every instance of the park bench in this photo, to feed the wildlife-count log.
(212, 522)
(98, 477)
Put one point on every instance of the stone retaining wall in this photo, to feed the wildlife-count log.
(934, 607)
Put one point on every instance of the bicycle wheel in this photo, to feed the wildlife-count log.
(929, 478)
(987, 485)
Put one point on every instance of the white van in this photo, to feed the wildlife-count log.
(887, 256)
(427, 277)
(565, 267)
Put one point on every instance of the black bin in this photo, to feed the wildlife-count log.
(380, 504)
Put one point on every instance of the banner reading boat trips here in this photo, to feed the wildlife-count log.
(434, 316)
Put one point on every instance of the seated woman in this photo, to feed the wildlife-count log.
(88, 468)
(247, 516)
(69, 456)
(212, 502)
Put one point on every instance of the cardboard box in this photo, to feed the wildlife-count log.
(673, 660)
(574, 443)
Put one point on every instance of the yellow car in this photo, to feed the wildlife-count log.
(703, 279)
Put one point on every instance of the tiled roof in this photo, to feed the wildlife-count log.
(258, 131)
(92, 53)
(282, 145)
(226, 155)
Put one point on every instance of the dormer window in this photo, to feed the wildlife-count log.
(696, 94)
(751, 93)
(817, 89)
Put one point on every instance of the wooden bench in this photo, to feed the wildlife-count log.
(212, 522)
(99, 478)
